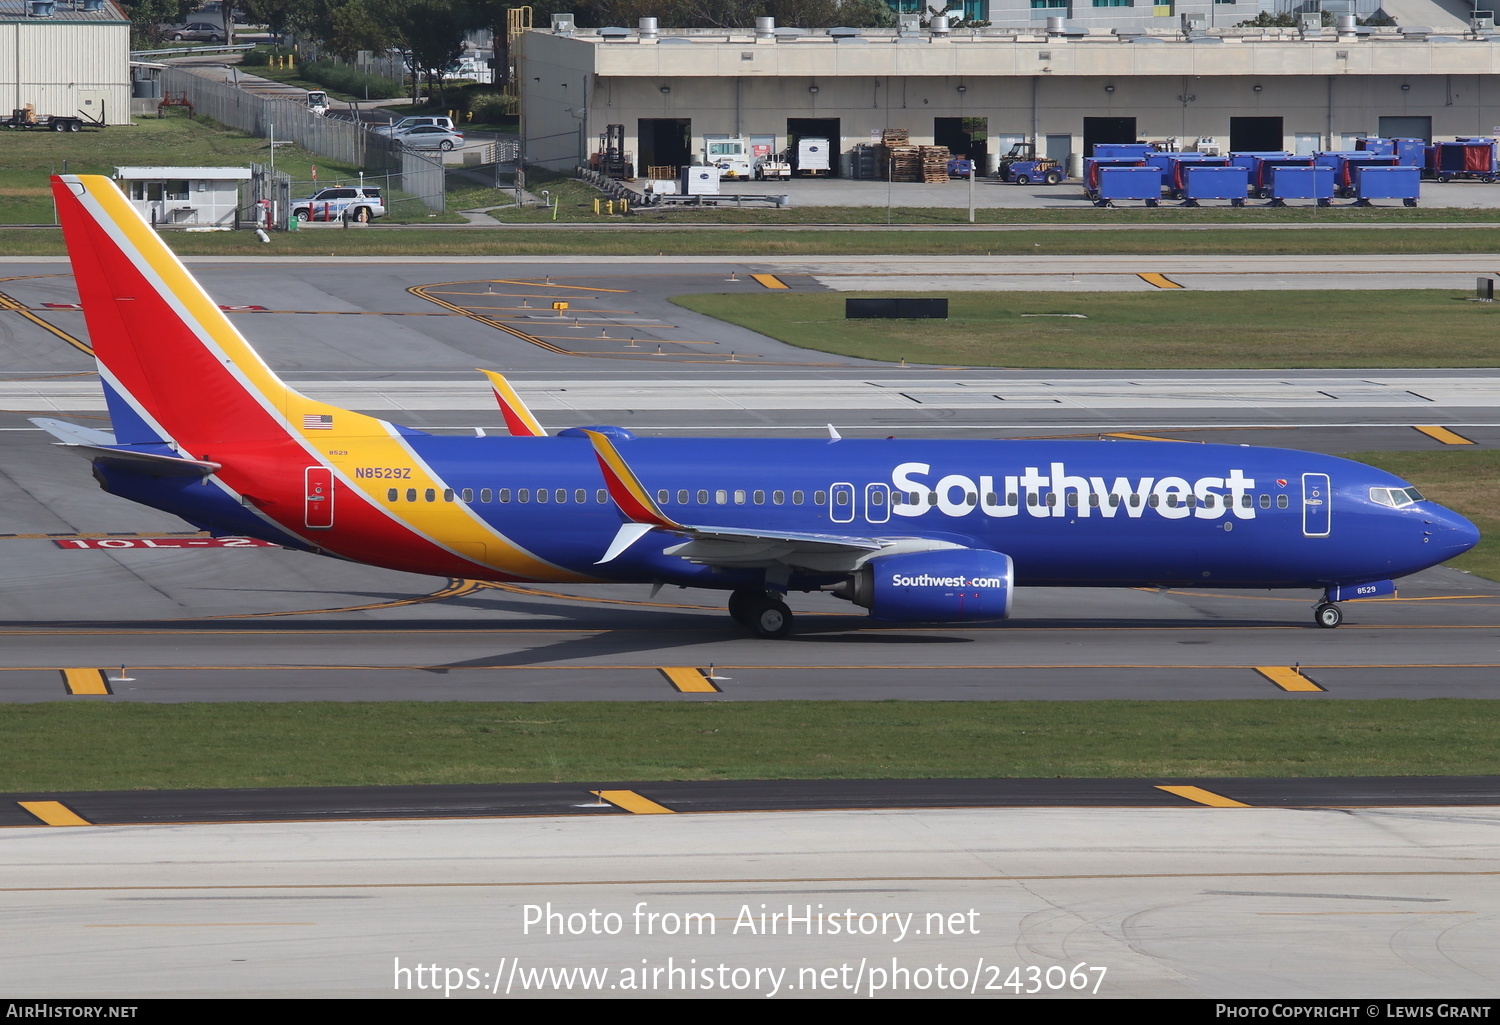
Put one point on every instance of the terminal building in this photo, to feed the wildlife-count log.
(1063, 86)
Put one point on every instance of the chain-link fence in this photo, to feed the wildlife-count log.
(347, 142)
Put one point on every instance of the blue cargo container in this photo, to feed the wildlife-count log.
(1472, 158)
(1345, 161)
(1133, 182)
(1092, 166)
(1173, 166)
(1408, 152)
(1259, 166)
(1200, 182)
(1112, 150)
(1301, 183)
(1403, 183)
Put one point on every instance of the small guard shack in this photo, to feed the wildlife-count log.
(185, 197)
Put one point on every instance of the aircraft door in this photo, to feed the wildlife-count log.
(317, 505)
(841, 503)
(877, 503)
(1316, 508)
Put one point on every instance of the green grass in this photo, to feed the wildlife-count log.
(387, 239)
(1139, 330)
(50, 747)
(1467, 482)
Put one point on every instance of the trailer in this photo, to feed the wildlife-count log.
(1403, 183)
(1126, 181)
(1213, 182)
(1307, 182)
(1174, 169)
(813, 156)
(1094, 166)
(1258, 167)
(1344, 162)
(27, 117)
(1470, 158)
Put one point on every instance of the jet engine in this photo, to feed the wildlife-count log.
(949, 586)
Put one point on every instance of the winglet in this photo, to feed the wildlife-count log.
(624, 488)
(518, 419)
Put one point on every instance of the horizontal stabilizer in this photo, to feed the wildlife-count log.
(100, 447)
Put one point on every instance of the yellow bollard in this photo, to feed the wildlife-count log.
(596, 207)
(624, 206)
(609, 207)
(291, 62)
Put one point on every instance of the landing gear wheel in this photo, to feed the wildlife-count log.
(1328, 615)
(770, 618)
(741, 603)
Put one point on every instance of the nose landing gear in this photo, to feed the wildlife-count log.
(1328, 615)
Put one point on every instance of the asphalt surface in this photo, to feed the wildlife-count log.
(1319, 888)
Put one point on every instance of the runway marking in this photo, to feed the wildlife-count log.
(85, 681)
(549, 284)
(54, 813)
(688, 681)
(16, 306)
(1288, 678)
(769, 281)
(456, 587)
(1203, 797)
(631, 802)
(1148, 437)
(70, 536)
(1159, 280)
(1442, 434)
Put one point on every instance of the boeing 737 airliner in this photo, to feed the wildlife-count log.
(917, 531)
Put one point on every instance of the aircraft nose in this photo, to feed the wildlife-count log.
(1451, 533)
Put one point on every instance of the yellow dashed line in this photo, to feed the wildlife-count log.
(1159, 280)
(770, 281)
(85, 681)
(1442, 434)
(54, 813)
(1147, 437)
(688, 681)
(1203, 797)
(631, 802)
(1287, 678)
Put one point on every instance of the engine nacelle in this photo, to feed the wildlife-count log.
(949, 586)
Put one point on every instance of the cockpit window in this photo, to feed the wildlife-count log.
(1397, 498)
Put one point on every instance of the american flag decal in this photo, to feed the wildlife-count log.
(317, 422)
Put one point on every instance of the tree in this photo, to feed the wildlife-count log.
(149, 19)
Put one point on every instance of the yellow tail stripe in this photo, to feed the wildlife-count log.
(85, 681)
(1442, 434)
(631, 802)
(770, 281)
(1202, 796)
(1159, 280)
(1287, 678)
(54, 813)
(688, 681)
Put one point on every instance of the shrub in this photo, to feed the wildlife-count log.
(350, 80)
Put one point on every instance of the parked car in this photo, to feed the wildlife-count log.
(197, 32)
(334, 204)
(430, 137)
(408, 123)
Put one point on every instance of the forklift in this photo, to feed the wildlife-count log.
(611, 160)
(1022, 167)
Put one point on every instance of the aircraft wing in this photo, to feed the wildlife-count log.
(731, 546)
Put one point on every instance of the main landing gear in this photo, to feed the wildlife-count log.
(1328, 615)
(762, 612)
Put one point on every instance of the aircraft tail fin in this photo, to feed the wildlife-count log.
(518, 418)
(175, 370)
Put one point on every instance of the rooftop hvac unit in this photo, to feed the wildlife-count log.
(1194, 22)
(93, 5)
(40, 8)
(562, 24)
(909, 24)
(1310, 22)
(1483, 21)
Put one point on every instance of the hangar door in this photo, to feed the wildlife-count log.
(964, 137)
(665, 142)
(1108, 130)
(1406, 127)
(1255, 135)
